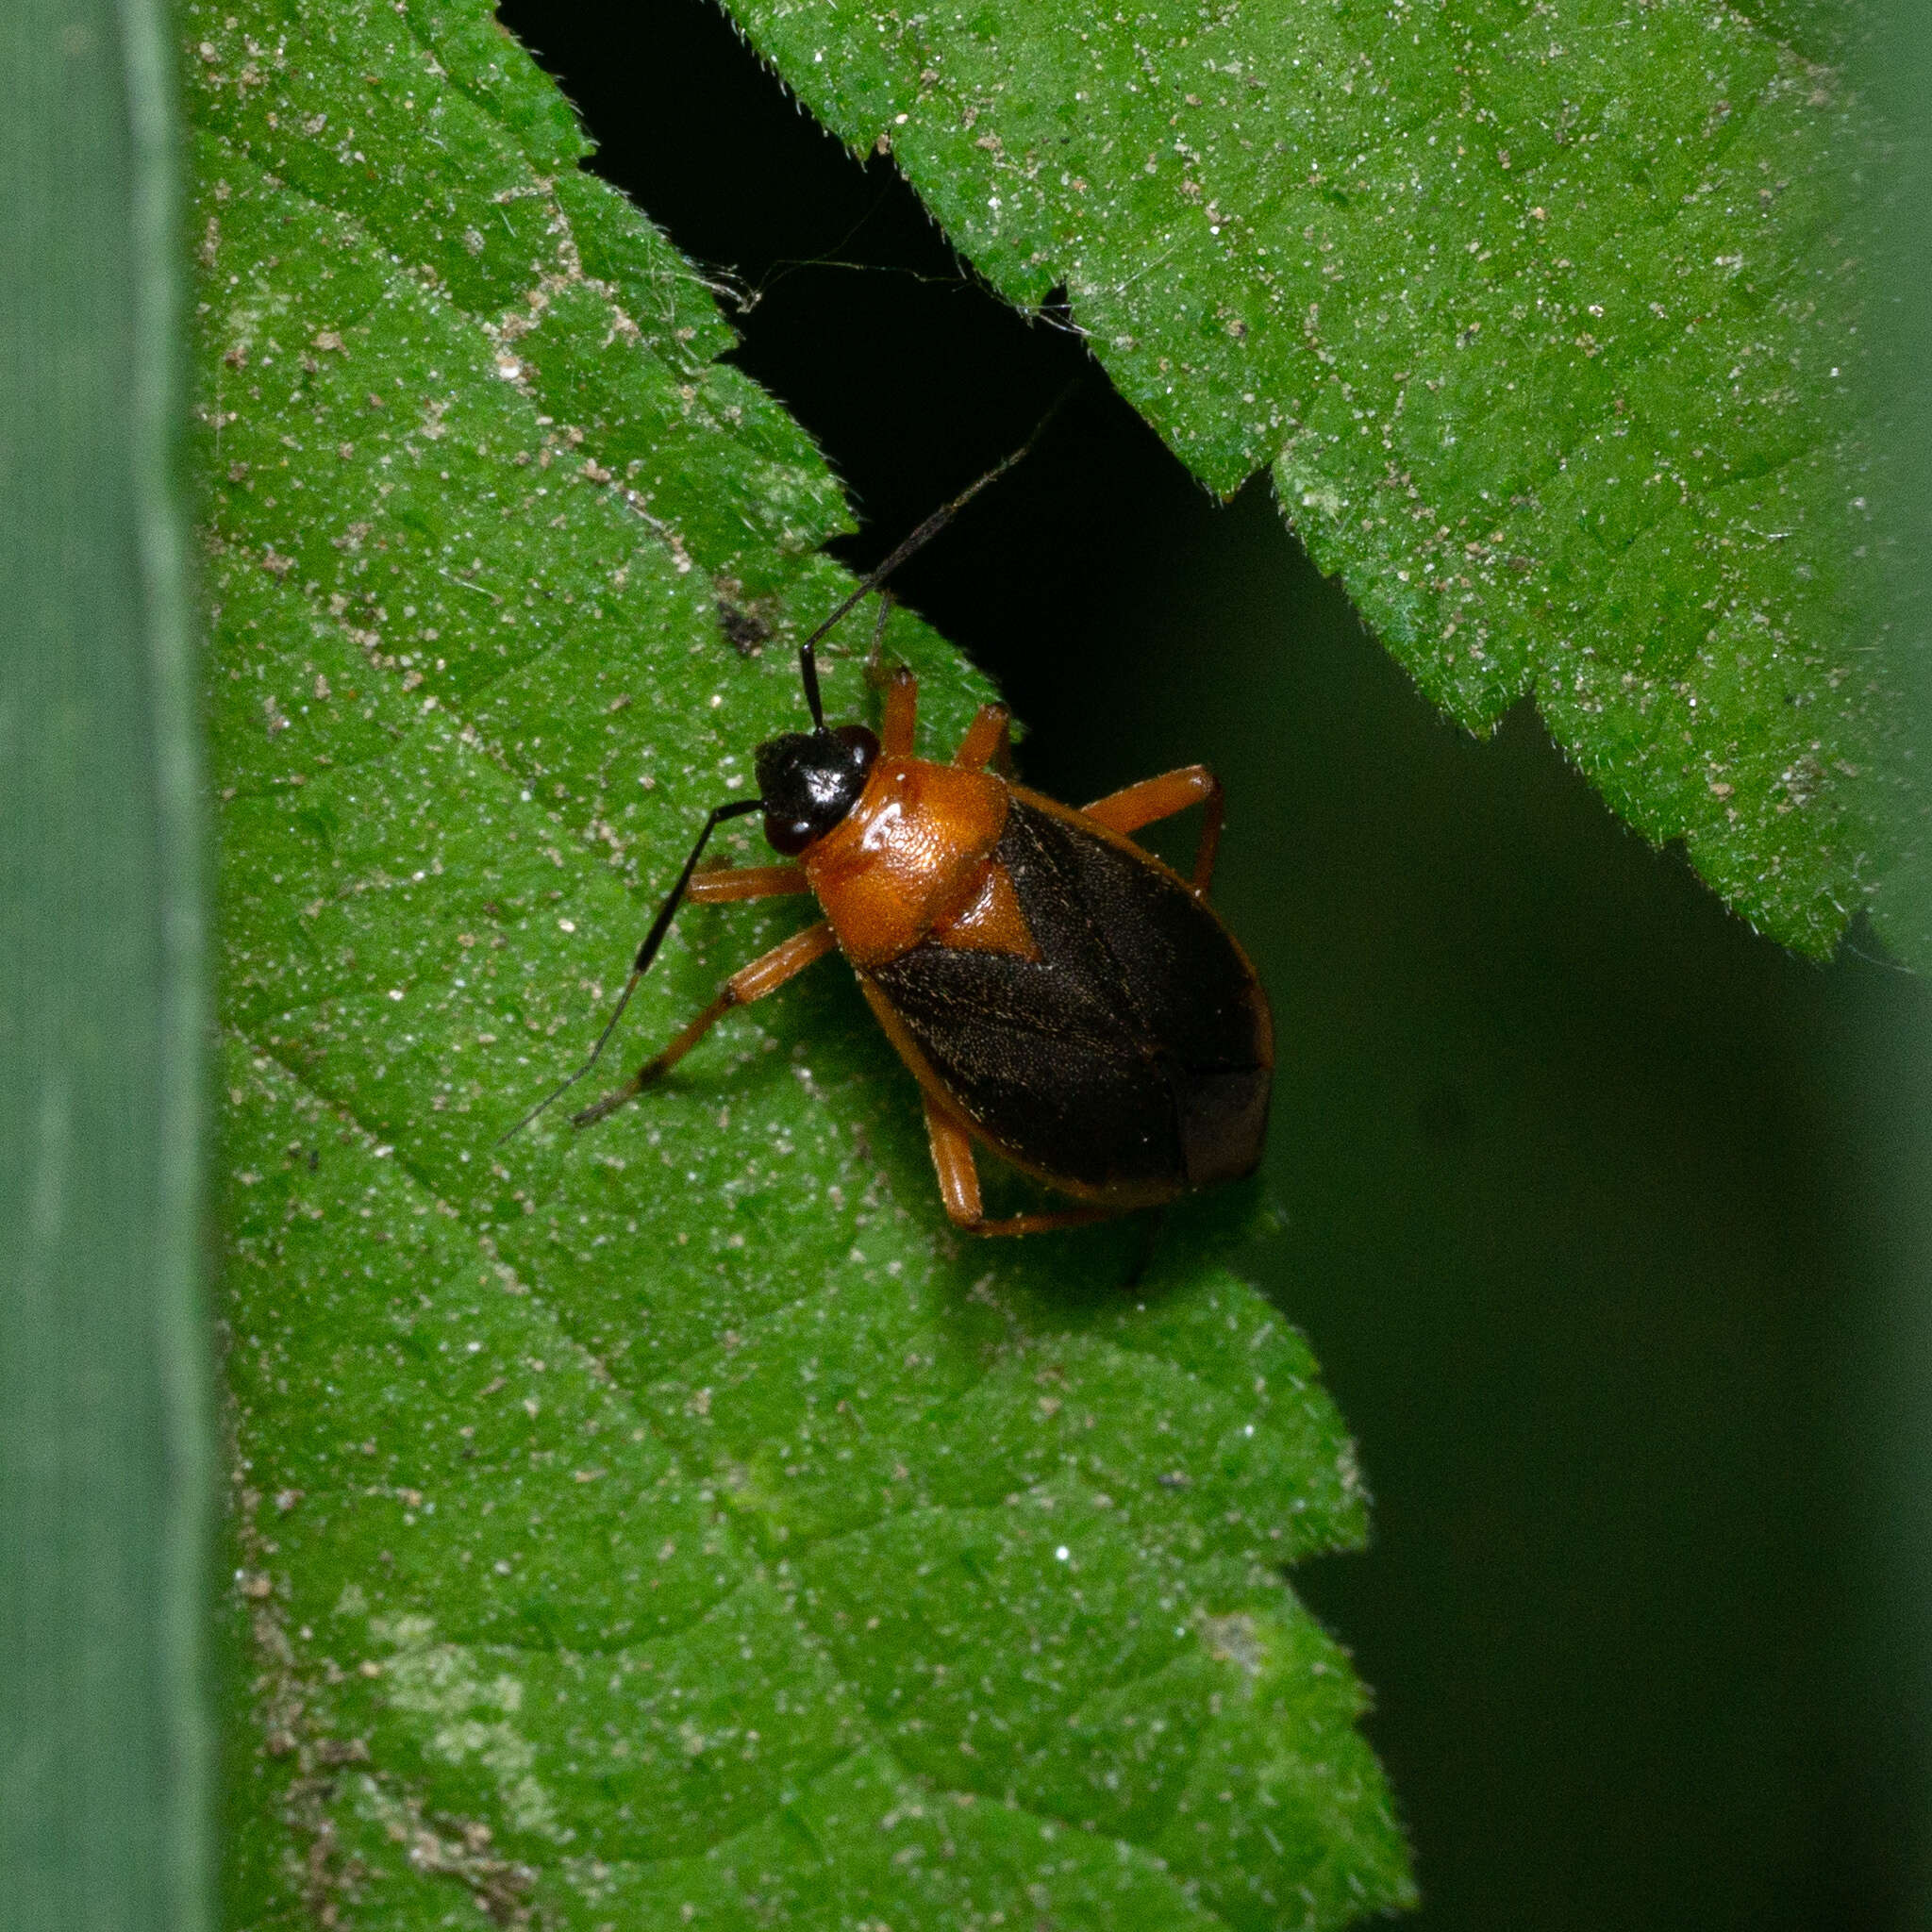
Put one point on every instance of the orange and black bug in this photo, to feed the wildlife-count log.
(1061, 995)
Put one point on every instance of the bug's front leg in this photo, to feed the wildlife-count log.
(898, 726)
(730, 882)
(959, 1173)
(766, 974)
(988, 741)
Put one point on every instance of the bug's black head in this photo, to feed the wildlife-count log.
(809, 780)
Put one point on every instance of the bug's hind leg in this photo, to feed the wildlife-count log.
(958, 1173)
(766, 974)
(1153, 799)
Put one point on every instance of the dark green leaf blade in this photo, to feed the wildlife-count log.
(611, 1504)
(1547, 319)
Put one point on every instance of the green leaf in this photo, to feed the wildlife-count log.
(675, 1522)
(1545, 317)
(106, 1417)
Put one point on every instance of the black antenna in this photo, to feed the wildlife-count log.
(808, 651)
(646, 953)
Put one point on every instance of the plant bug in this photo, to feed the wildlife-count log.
(1061, 995)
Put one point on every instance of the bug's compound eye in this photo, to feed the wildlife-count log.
(863, 742)
(789, 837)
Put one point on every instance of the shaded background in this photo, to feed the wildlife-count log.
(1591, 1196)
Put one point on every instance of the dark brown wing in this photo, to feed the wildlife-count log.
(1133, 1057)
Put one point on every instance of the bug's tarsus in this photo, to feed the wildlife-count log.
(808, 651)
(736, 809)
(613, 1101)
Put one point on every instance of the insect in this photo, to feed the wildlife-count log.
(1062, 998)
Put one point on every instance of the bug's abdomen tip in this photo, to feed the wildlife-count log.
(1223, 1121)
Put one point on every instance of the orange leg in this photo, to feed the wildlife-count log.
(988, 740)
(766, 974)
(1140, 805)
(745, 882)
(952, 1157)
(900, 723)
